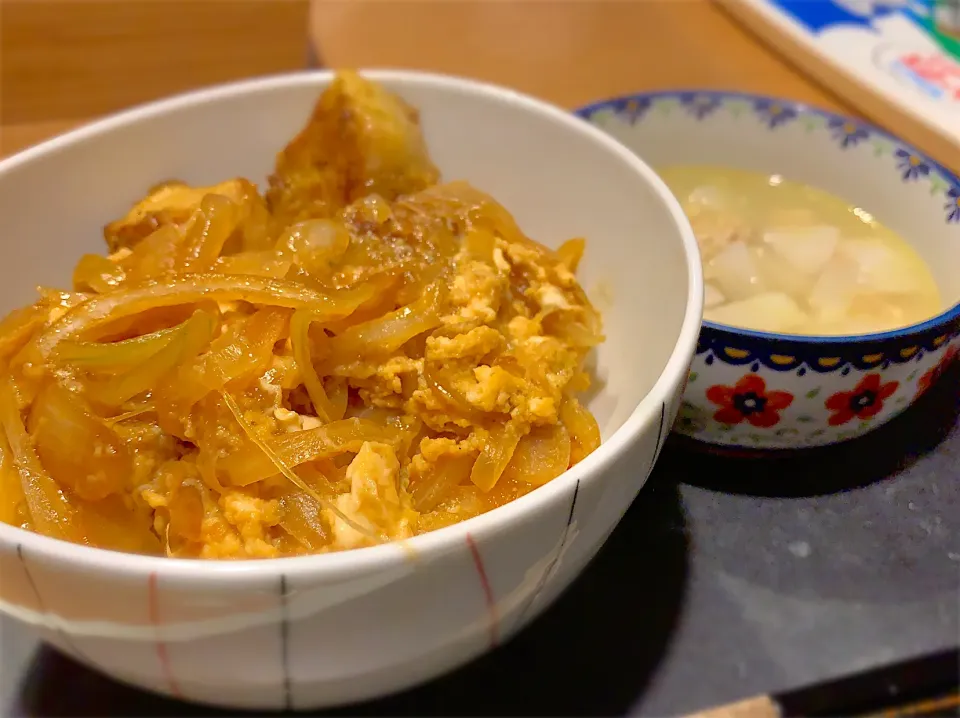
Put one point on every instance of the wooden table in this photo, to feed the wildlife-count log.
(65, 62)
(566, 51)
(68, 61)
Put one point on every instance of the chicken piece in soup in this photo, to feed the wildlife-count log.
(781, 256)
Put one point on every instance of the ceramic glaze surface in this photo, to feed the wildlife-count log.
(757, 390)
(318, 631)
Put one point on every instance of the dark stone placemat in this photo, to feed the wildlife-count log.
(726, 579)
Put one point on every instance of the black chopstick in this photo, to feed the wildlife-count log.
(927, 686)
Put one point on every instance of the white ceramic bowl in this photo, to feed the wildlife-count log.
(317, 631)
(759, 390)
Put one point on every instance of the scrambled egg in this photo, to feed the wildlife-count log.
(374, 501)
(250, 517)
(476, 292)
(479, 294)
(476, 343)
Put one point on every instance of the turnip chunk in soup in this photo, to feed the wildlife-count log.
(780, 256)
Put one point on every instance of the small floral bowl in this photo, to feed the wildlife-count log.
(759, 390)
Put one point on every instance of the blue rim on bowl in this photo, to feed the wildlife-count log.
(775, 112)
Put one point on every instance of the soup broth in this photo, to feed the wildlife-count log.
(781, 256)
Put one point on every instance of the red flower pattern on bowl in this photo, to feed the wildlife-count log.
(935, 372)
(749, 401)
(864, 402)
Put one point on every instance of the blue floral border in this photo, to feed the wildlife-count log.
(783, 352)
(773, 113)
(730, 347)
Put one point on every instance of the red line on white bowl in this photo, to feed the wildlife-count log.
(487, 591)
(153, 607)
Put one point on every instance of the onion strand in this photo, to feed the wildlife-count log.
(291, 474)
(170, 291)
(50, 511)
(300, 341)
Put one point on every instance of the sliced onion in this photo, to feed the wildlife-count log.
(541, 456)
(571, 252)
(51, 513)
(189, 339)
(480, 244)
(206, 233)
(282, 467)
(301, 519)
(347, 435)
(339, 394)
(300, 340)
(261, 264)
(18, 325)
(389, 332)
(94, 272)
(496, 454)
(113, 356)
(154, 255)
(448, 473)
(583, 428)
(246, 350)
(190, 288)
(186, 508)
(112, 524)
(449, 393)
(315, 243)
(11, 492)
(80, 451)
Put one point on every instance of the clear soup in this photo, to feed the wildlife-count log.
(781, 256)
